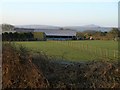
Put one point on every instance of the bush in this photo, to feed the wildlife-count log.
(23, 54)
(18, 75)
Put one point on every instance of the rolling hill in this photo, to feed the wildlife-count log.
(76, 28)
(90, 27)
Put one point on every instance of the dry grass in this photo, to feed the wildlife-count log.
(17, 74)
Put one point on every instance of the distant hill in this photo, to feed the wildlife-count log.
(90, 27)
(37, 26)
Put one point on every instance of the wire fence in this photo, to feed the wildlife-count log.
(95, 52)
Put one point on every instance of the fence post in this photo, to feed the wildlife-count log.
(87, 47)
(95, 51)
(82, 47)
(100, 52)
(106, 53)
(114, 54)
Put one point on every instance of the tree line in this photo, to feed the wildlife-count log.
(28, 36)
(114, 34)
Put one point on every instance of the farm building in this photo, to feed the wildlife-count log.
(58, 34)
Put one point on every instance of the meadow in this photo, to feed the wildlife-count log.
(83, 50)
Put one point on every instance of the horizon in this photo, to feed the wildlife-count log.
(61, 26)
(104, 14)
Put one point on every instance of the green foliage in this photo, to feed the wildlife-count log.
(17, 36)
(114, 34)
(23, 54)
(80, 35)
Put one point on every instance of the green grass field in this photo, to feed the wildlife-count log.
(75, 50)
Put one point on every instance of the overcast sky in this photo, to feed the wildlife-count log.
(60, 12)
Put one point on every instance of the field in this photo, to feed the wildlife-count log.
(75, 50)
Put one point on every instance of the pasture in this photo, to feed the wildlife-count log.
(75, 50)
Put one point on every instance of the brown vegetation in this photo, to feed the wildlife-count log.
(98, 74)
(17, 74)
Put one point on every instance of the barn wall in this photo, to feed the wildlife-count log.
(39, 36)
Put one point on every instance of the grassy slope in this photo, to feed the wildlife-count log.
(74, 50)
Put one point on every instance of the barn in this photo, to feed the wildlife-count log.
(52, 34)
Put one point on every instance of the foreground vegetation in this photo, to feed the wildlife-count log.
(75, 50)
(24, 69)
(18, 71)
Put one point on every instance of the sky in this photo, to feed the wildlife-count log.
(60, 12)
